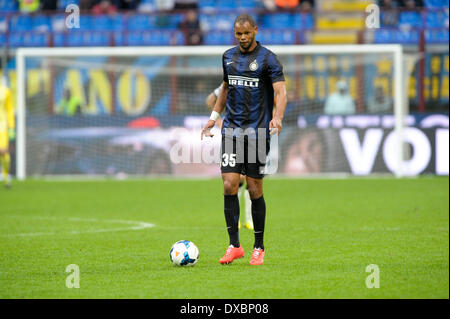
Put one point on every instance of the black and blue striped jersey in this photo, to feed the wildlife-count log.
(250, 76)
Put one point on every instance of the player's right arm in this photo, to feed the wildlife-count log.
(217, 109)
(211, 101)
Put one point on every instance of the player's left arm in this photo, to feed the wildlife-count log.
(279, 89)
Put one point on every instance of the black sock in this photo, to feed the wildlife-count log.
(232, 210)
(259, 220)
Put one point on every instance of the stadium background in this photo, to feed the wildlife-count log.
(154, 101)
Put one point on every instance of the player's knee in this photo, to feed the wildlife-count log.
(255, 190)
(230, 187)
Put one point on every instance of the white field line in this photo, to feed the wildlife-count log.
(133, 225)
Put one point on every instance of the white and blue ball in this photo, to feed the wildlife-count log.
(184, 253)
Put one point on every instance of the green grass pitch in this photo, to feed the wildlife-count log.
(321, 234)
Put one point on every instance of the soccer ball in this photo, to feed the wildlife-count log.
(184, 253)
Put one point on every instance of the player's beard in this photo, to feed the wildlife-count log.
(246, 46)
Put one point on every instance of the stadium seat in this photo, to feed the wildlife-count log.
(119, 38)
(20, 23)
(276, 20)
(437, 19)
(58, 22)
(436, 3)
(408, 37)
(77, 38)
(28, 39)
(62, 4)
(221, 21)
(218, 38)
(248, 4)
(205, 21)
(154, 37)
(179, 38)
(396, 36)
(207, 4)
(101, 23)
(226, 4)
(117, 22)
(437, 36)
(167, 21)
(384, 36)
(134, 38)
(3, 24)
(87, 22)
(59, 39)
(175, 20)
(15, 39)
(8, 6)
(300, 21)
(2, 39)
(42, 23)
(277, 36)
(141, 22)
(411, 19)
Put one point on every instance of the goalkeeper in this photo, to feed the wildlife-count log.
(210, 102)
(7, 130)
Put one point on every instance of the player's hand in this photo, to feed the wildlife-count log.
(275, 126)
(207, 129)
(12, 134)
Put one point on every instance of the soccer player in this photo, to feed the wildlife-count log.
(210, 102)
(252, 79)
(7, 132)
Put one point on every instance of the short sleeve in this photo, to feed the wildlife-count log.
(225, 74)
(274, 68)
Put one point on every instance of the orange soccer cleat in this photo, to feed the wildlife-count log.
(257, 257)
(231, 254)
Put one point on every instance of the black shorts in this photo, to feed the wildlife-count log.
(244, 155)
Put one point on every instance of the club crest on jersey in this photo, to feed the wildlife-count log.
(253, 66)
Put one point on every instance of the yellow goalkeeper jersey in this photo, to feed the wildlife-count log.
(6, 109)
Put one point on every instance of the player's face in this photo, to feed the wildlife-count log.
(245, 35)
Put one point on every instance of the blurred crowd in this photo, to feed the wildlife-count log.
(108, 6)
(391, 9)
(190, 24)
(189, 11)
(406, 4)
(112, 6)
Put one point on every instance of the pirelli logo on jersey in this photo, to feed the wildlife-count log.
(236, 80)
